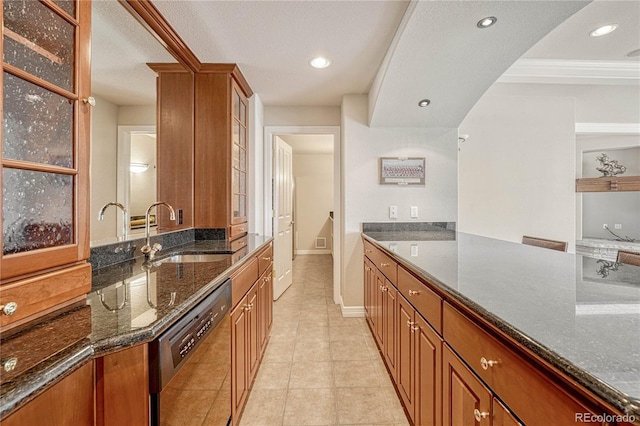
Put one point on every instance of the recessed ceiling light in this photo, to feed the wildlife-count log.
(424, 103)
(634, 53)
(487, 22)
(320, 62)
(603, 30)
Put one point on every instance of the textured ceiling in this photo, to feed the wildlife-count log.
(440, 54)
(120, 50)
(273, 41)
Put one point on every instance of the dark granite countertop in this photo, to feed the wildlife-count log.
(129, 303)
(580, 314)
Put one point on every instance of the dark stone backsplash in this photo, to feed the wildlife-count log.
(407, 226)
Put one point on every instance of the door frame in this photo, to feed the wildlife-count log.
(269, 133)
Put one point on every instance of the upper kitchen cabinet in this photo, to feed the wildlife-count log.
(45, 156)
(221, 149)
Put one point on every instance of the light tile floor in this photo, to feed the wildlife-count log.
(320, 368)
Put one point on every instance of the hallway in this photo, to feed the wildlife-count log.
(320, 368)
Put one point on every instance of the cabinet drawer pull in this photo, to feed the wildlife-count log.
(414, 292)
(384, 265)
(10, 364)
(480, 415)
(368, 251)
(9, 309)
(485, 363)
(268, 259)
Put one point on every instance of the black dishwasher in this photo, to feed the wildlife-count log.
(190, 364)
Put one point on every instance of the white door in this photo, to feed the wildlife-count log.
(283, 217)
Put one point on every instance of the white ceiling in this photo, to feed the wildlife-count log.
(309, 144)
(437, 53)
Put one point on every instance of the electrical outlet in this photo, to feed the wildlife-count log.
(618, 226)
(393, 212)
(605, 226)
(414, 250)
(414, 212)
(180, 220)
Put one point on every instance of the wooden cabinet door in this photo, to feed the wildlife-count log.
(390, 327)
(239, 376)
(406, 353)
(428, 374)
(253, 308)
(122, 381)
(239, 145)
(502, 416)
(68, 402)
(466, 401)
(264, 310)
(367, 290)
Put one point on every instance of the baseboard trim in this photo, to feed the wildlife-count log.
(313, 251)
(352, 311)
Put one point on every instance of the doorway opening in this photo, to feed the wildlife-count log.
(314, 193)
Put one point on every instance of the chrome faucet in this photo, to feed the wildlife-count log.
(125, 216)
(149, 250)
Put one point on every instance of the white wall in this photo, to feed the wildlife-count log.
(313, 175)
(104, 136)
(301, 116)
(257, 183)
(105, 118)
(143, 185)
(517, 168)
(367, 201)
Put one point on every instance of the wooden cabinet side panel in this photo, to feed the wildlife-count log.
(175, 147)
(122, 387)
(68, 402)
(212, 168)
(252, 333)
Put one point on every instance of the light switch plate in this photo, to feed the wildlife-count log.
(618, 226)
(414, 212)
(393, 212)
(414, 250)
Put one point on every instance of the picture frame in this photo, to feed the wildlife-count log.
(402, 171)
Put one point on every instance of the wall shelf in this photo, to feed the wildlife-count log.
(608, 184)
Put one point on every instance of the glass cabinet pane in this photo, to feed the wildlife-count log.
(37, 210)
(236, 132)
(243, 159)
(39, 41)
(37, 124)
(242, 208)
(236, 205)
(236, 156)
(68, 6)
(236, 105)
(235, 181)
(243, 136)
(243, 113)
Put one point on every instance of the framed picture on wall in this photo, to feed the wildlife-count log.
(402, 171)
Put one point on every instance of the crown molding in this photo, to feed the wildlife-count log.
(552, 71)
(608, 128)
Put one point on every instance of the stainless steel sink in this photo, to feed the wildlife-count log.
(193, 258)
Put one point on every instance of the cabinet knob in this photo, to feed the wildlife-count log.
(90, 100)
(268, 259)
(367, 269)
(9, 309)
(414, 292)
(413, 329)
(383, 265)
(485, 363)
(249, 307)
(10, 364)
(410, 323)
(368, 251)
(479, 415)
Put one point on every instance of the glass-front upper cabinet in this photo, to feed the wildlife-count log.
(45, 129)
(239, 146)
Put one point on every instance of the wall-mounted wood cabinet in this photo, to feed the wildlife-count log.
(221, 149)
(608, 184)
(45, 156)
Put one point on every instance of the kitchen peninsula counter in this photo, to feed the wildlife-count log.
(574, 314)
(130, 303)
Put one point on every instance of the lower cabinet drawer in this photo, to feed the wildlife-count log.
(236, 231)
(384, 263)
(238, 244)
(426, 302)
(40, 294)
(265, 258)
(524, 389)
(242, 280)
